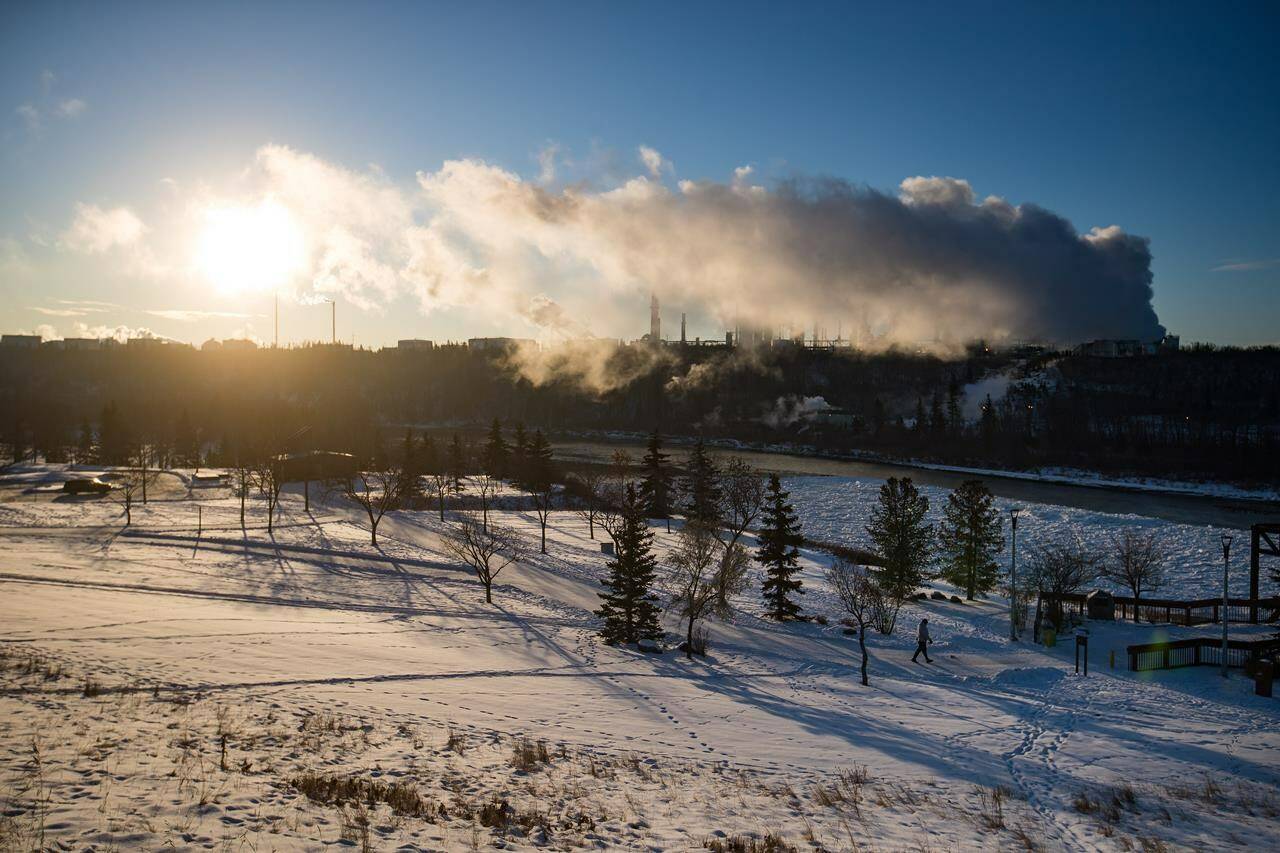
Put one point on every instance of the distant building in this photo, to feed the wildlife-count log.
(20, 341)
(82, 343)
(415, 344)
(239, 344)
(1127, 348)
(498, 344)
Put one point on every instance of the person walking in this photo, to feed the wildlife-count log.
(922, 642)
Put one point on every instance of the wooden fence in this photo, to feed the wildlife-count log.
(1200, 651)
(1199, 611)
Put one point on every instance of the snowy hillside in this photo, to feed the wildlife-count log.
(240, 689)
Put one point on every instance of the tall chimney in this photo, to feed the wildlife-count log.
(655, 321)
(682, 320)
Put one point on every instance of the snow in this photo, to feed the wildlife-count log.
(316, 651)
(837, 509)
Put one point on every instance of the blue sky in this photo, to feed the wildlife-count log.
(1160, 118)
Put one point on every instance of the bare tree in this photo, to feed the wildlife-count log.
(1061, 568)
(544, 500)
(588, 489)
(741, 500)
(861, 597)
(241, 483)
(486, 485)
(268, 478)
(1137, 563)
(440, 483)
(691, 581)
(132, 484)
(613, 492)
(378, 492)
(486, 550)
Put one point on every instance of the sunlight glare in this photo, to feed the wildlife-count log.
(250, 249)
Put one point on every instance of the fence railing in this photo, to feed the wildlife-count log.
(1199, 651)
(1198, 611)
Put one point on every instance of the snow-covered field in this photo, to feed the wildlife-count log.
(317, 658)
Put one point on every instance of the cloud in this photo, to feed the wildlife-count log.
(940, 192)
(928, 262)
(119, 333)
(1237, 265)
(47, 79)
(547, 163)
(30, 116)
(71, 107)
(89, 304)
(653, 161)
(190, 316)
(94, 230)
(58, 312)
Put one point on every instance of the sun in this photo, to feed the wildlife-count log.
(250, 249)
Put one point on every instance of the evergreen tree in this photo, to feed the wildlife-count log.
(411, 468)
(922, 422)
(538, 464)
(655, 489)
(955, 417)
(186, 446)
(988, 424)
(457, 465)
(496, 452)
(702, 487)
(84, 447)
(937, 420)
(630, 606)
(901, 536)
(971, 538)
(113, 438)
(519, 454)
(779, 540)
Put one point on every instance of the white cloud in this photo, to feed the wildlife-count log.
(30, 116)
(94, 230)
(47, 79)
(943, 192)
(58, 312)
(547, 163)
(71, 107)
(119, 333)
(190, 316)
(653, 161)
(1241, 265)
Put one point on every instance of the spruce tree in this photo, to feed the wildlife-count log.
(655, 489)
(495, 452)
(901, 536)
(630, 606)
(779, 540)
(457, 465)
(519, 454)
(410, 468)
(971, 538)
(702, 487)
(538, 464)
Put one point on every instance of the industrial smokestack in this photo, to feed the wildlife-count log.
(683, 318)
(655, 320)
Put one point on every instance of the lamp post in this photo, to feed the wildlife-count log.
(1013, 574)
(1226, 561)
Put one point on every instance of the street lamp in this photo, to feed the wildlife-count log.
(1013, 574)
(1226, 561)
